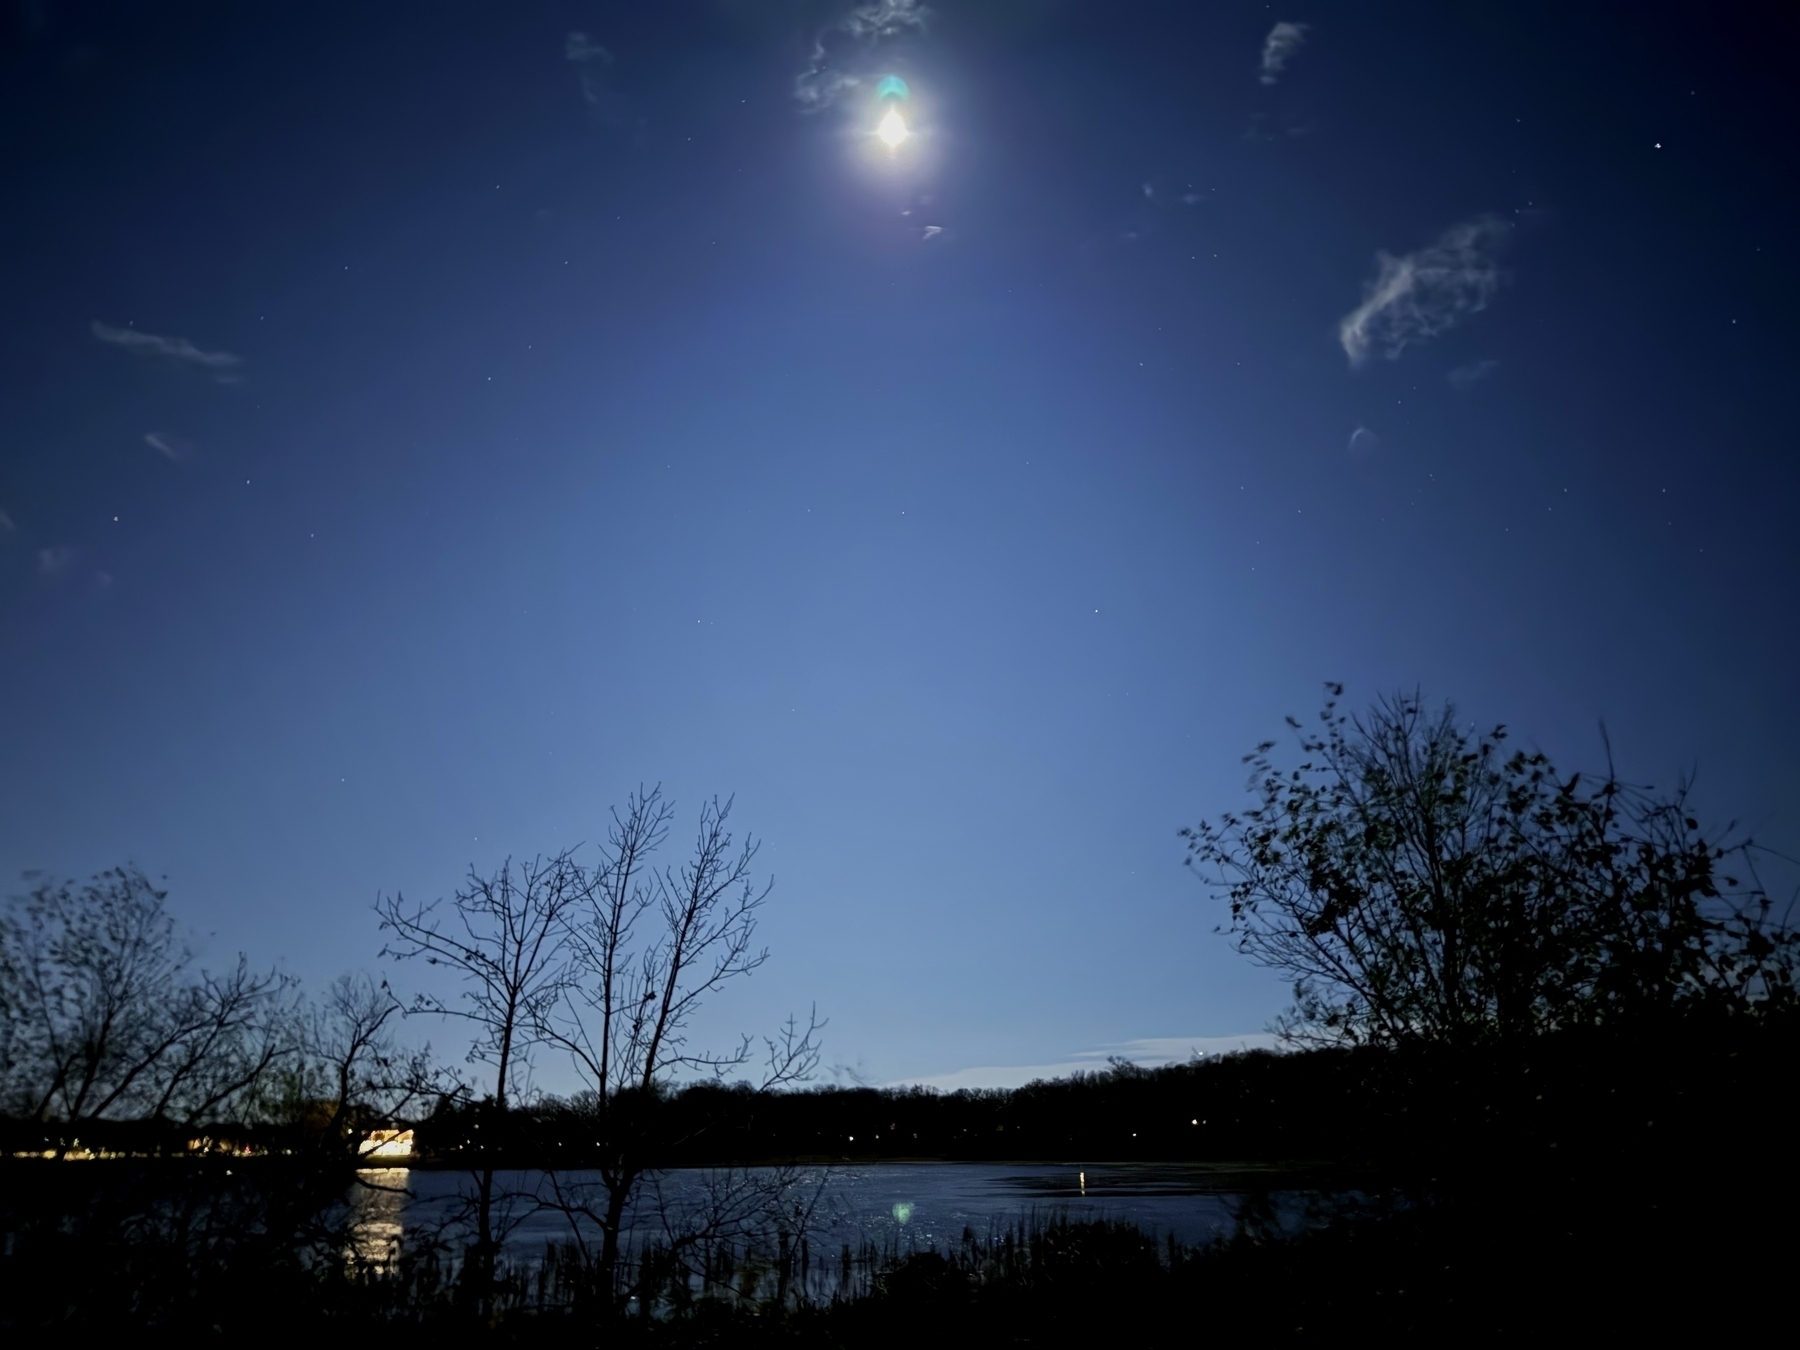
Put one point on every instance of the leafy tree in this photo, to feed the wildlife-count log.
(1418, 882)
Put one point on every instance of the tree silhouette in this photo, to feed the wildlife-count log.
(504, 938)
(1417, 882)
(647, 945)
(102, 1015)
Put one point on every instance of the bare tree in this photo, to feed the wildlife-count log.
(224, 1037)
(358, 1075)
(633, 986)
(105, 1019)
(505, 939)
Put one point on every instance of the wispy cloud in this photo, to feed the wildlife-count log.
(222, 364)
(1419, 295)
(819, 87)
(933, 231)
(1266, 130)
(592, 61)
(1279, 47)
(56, 561)
(845, 41)
(175, 450)
(6, 523)
(1467, 377)
(579, 47)
(598, 70)
(884, 18)
(1149, 1052)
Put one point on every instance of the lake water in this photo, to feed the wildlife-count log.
(894, 1205)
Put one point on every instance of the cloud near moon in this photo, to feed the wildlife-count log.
(846, 43)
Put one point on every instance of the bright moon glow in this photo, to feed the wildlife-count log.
(892, 129)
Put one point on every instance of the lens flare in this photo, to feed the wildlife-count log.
(892, 86)
(892, 130)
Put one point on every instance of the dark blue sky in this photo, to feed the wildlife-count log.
(528, 420)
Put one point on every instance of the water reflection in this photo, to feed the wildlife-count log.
(908, 1205)
(378, 1202)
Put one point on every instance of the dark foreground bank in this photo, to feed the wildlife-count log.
(1531, 1258)
(1602, 1185)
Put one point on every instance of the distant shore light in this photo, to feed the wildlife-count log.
(383, 1144)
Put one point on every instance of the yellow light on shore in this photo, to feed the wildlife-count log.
(383, 1145)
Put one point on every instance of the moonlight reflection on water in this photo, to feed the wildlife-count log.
(916, 1205)
(380, 1203)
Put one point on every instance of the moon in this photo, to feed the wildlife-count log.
(892, 130)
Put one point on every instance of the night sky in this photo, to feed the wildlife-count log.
(421, 424)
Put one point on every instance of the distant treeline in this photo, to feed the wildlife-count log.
(1686, 1084)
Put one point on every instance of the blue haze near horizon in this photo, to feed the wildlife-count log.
(606, 421)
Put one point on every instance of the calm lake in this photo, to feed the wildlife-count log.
(904, 1205)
